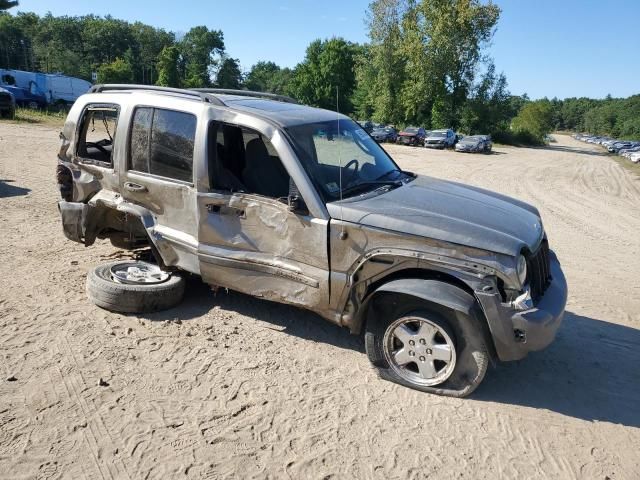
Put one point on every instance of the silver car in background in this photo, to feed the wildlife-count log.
(440, 139)
(475, 144)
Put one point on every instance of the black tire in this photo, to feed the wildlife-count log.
(10, 114)
(472, 355)
(103, 291)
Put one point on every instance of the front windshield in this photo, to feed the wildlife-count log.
(340, 153)
(438, 134)
(411, 130)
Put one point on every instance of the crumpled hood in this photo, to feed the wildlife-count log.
(450, 212)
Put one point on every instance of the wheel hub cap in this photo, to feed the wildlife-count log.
(138, 273)
(420, 351)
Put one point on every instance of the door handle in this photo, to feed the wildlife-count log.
(134, 187)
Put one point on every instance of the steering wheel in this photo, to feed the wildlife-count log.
(355, 170)
(98, 146)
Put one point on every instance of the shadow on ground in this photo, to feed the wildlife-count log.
(200, 299)
(591, 372)
(581, 151)
(8, 190)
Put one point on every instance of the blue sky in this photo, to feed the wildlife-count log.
(546, 48)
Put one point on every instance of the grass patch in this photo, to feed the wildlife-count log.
(38, 117)
(628, 164)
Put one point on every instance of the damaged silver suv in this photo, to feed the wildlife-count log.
(258, 194)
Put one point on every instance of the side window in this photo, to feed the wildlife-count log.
(139, 143)
(162, 143)
(97, 133)
(243, 160)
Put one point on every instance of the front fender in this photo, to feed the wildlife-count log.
(432, 291)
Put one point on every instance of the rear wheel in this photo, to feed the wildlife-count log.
(134, 287)
(427, 348)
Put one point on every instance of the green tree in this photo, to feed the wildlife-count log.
(229, 74)
(168, 75)
(327, 66)
(201, 52)
(7, 4)
(149, 43)
(269, 77)
(424, 58)
(535, 120)
(118, 71)
(381, 66)
(488, 108)
(105, 39)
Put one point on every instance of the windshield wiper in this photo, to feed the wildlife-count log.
(388, 173)
(358, 186)
(404, 172)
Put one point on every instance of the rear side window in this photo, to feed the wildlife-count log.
(162, 143)
(97, 133)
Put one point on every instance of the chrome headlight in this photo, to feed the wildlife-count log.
(521, 269)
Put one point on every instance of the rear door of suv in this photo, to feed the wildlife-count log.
(159, 174)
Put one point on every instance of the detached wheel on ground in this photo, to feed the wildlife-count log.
(432, 350)
(134, 287)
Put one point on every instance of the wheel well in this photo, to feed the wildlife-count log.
(366, 310)
(420, 273)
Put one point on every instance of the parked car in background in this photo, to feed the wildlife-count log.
(629, 149)
(475, 144)
(25, 98)
(384, 134)
(412, 136)
(615, 147)
(7, 104)
(366, 125)
(440, 139)
(626, 152)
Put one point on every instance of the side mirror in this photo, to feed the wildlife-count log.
(296, 204)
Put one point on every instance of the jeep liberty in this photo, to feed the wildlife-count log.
(256, 193)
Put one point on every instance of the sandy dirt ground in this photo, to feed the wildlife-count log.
(229, 386)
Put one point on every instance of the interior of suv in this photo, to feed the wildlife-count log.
(244, 161)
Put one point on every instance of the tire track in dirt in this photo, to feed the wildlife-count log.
(245, 388)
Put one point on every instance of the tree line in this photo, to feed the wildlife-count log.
(425, 63)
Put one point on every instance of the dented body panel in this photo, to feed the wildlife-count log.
(328, 257)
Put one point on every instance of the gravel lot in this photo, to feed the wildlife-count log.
(229, 386)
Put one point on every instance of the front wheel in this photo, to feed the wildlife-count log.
(439, 352)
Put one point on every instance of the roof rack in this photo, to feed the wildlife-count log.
(246, 93)
(204, 96)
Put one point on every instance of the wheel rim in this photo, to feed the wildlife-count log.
(419, 350)
(138, 273)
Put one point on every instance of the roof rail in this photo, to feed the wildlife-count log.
(246, 93)
(204, 96)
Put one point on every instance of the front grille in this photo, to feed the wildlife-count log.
(539, 270)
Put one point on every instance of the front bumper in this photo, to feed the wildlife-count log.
(517, 332)
(434, 145)
(407, 141)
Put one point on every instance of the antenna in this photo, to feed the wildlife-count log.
(343, 234)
